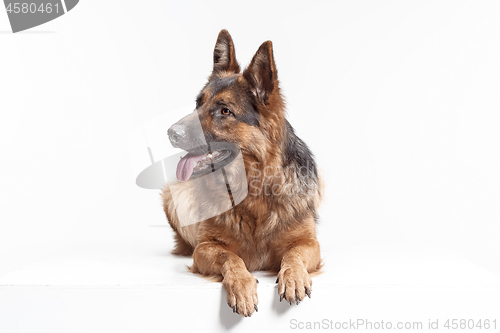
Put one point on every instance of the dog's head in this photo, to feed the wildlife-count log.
(234, 111)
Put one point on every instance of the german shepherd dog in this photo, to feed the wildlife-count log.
(272, 229)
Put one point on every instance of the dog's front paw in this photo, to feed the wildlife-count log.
(294, 284)
(241, 293)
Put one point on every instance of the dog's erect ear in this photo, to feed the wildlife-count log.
(261, 73)
(224, 54)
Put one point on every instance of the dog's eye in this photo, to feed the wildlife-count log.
(225, 111)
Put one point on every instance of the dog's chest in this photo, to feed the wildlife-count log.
(252, 244)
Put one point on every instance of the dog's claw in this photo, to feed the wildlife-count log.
(256, 308)
(257, 280)
(308, 292)
(281, 297)
(277, 279)
(234, 309)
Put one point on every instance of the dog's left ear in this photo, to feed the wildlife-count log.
(224, 54)
(262, 74)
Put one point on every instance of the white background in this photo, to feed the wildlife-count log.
(399, 101)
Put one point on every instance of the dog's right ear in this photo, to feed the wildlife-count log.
(224, 54)
(262, 73)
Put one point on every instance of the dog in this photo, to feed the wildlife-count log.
(274, 227)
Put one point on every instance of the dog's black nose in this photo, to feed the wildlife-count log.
(176, 134)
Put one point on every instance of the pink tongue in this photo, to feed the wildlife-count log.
(186, 165)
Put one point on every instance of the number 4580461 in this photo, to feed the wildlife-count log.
(24, 7)
(470, 324)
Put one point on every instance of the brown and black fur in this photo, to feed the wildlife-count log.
(266, 231)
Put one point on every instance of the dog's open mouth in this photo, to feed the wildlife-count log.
(203, 160)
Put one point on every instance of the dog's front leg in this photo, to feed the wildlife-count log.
(212, 258)
(294, 281)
